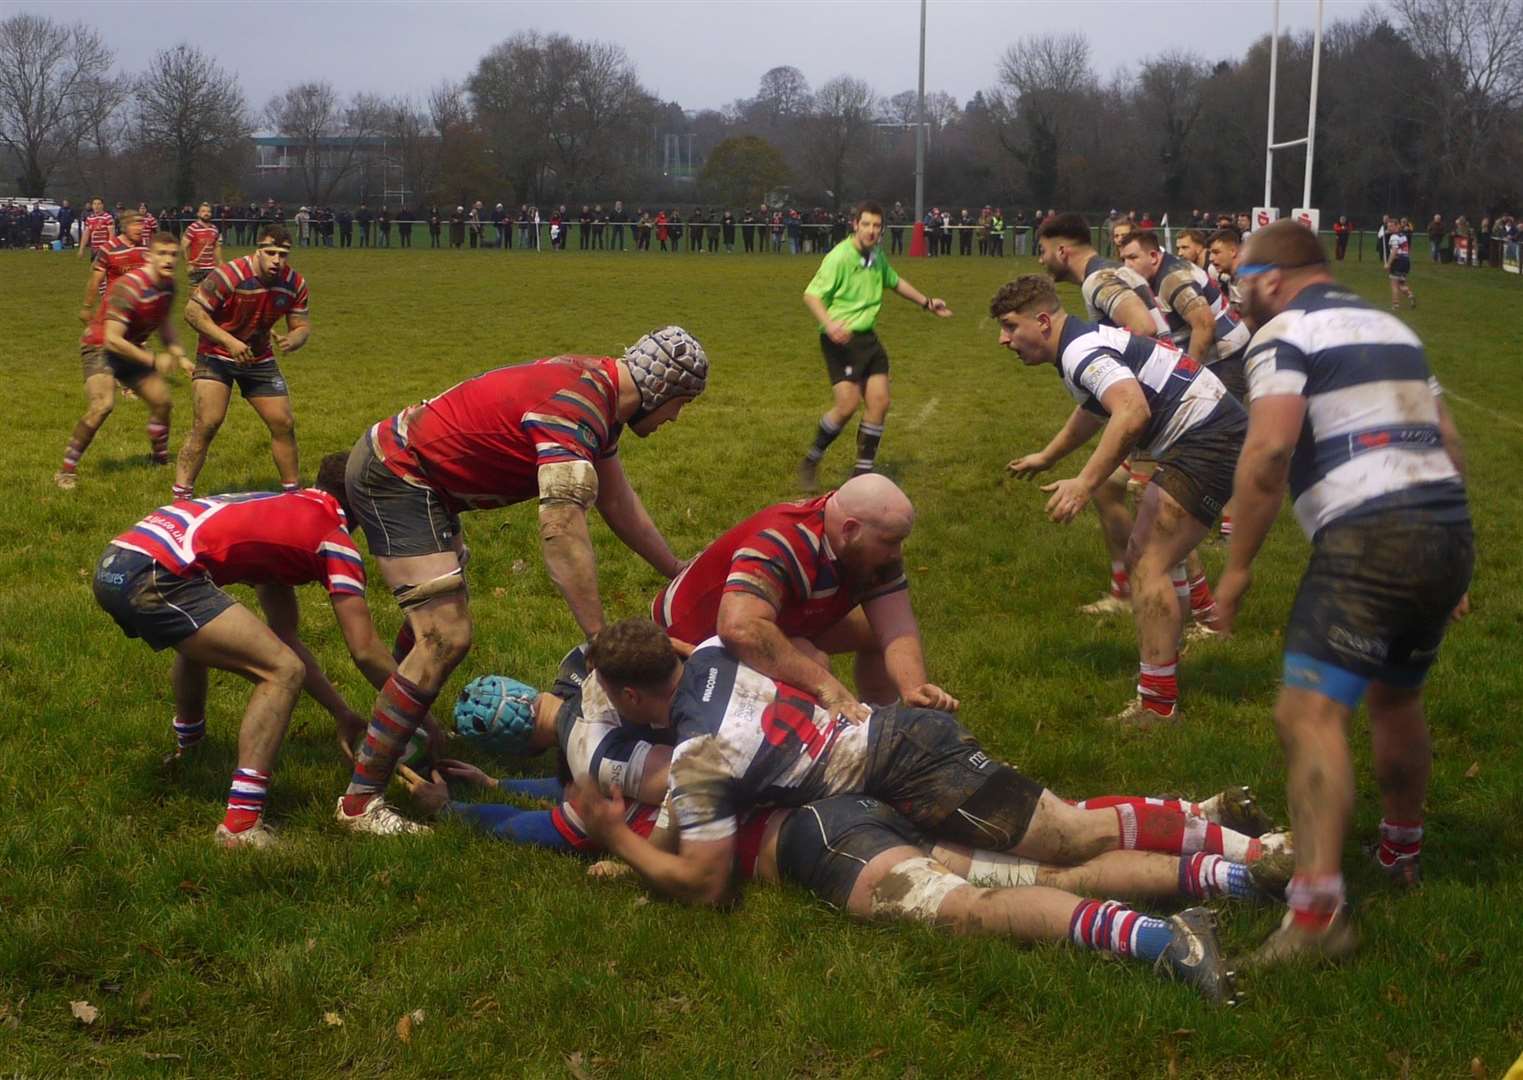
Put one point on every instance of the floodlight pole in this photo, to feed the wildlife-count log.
(920, 127)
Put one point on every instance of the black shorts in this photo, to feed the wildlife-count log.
(825, 845)
(1233, 375)
(399, 519)
(198, 275)
(857, 360)
(1375, 601)
(1400, 268)
(1197, 470)
(149, 602)
(95, 360)
(932, 770)
(254, 380)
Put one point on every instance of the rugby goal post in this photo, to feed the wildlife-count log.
(1305, 214)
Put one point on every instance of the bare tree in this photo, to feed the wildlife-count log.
(412, 143)
(838, 135)
(332, 137)
(104, 129)
(1043, 83)
(192, 112)
(463, 154)
(45, 70)
(1170, 93)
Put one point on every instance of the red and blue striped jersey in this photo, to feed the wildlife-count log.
(138, 300)
(246, 306)
(255, 538)
(481, 443)
(201, 245)
(116, 257)
(98, 229)
(780, 554)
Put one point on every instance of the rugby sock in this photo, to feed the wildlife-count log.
(158, 442)
(1101, 802)
(404, 643)
(399, 708)
(1202, 603)
(1121, 583)
(1399, 841)
(868, 438)
(288, 488)
(1179, 577)
(187, 735)
(1110, 926)
(514, 825)
(1208, 877)
(1156, 828)
(1314, 899)
(823, 437)
(245, 799)
(72, 453)
(533, 787)
(183, 491)
(1226, 527)
(1158, 686)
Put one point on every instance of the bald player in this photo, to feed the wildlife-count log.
(798, 582)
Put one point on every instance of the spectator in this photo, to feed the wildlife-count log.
(728, 229)
(661, 230)
(933, 231)
(695, 230)
(964, 232)
(599, 223)
(896, 220)
(457, 228)
(383, 224)
(363, 219)
(434, 226)
(65, 223)
(345, 228)
(1340, 235)
(997, 233)
(303, 227)
(473, 224)
(748, 231)
(619, 218)
(584, 228)
(675, 217)
(404, 226)
(794, 227)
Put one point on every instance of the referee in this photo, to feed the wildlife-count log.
(844, 299)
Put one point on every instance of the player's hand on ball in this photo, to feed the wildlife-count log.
(839, 701)
(601, 815)
(1068, 498)
(931, 696)
(1024, 468)
(464, 772)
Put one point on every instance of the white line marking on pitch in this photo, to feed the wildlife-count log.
(924, 414)
(1489, 412)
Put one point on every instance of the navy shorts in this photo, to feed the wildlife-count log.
(399, 519)
(149, 602)
(932, 770)
(1375, 602)
(856, 361)
(262, 379)
(97, 361)
(825, 845)
(1198, 469)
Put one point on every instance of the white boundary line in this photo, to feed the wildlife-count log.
(1512, 421)
(924, 414)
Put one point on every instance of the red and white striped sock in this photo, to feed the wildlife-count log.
(1158, 686)
(1399, 841)
(1121, 584)
(1226, 527)
(245, 799)
(158, 442)
(1314, 899)
(71, 455)
(183, 491)
(1157, 828)
(1202, 603)
(1101, 802)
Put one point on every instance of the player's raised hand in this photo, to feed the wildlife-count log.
(1024, 468)
(931, 696)
(1068, 498)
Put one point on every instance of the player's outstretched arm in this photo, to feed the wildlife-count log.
(1258, 488)
(934, 304)
(625, 513)
(92, 294)
(1075, 432)
(567, 549)
(698, 873)
(371, 656)
(284, 616)
(893, 621)
(747, 625)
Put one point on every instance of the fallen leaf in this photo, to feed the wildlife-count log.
(404, 1028)
(1395, 995)
(311, 943)
(141, 1001)
(1474, 770)
(519, 566)
(921, 569)
(333, 1019)
(84, 1012)
(641, 901)
(499, 591)
(574, 1062)
(191, 888)
(1477, 1069)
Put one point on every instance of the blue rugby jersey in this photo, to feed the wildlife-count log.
(1183, 396)
(1371, 439)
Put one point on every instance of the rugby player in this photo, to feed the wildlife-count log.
(1399, 263)
(112, 350)
(234, 310)
(1200, 320)
(201, 245)
(547, 430)
(96, 230)
(844, 297)
(1190, 245)
(1149, 396)
(801, 581)
(162, 580)
(1344, 411)
(120, 253)
(1113, 295)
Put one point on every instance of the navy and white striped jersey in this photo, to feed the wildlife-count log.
(1371, 439)
(1181, 287)
(596, 741)
(1182, 394)
(746, 740)
(1108, 282)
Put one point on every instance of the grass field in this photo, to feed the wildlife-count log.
(207, 963)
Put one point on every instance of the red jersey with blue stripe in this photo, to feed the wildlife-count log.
(780, 554)
(116, 257)
(201, 244)
(256, 538)
(139, 301)
(246, 306)
(481, 443)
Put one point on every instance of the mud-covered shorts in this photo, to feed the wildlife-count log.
(1197, 470)
(262, 379)
(1375, 601)
(1233, 375)
(932, 770)
(149, 602)
(825, 845)
(95, 360)
(856, 361)
(399, 518)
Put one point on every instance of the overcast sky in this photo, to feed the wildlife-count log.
(699, 53)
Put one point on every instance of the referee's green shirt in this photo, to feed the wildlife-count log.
(852, 292)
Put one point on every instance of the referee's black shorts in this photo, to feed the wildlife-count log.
(856, 361)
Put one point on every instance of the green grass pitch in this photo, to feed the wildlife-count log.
(208, 963)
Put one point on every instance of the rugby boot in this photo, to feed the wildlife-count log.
(257, 835)
(1109, 604)
(378, 819)
(1405, 873)
(809, 476)
(1293, 943)
(1272, 871)
(1197, 632)
(1238, 810)
(65, 480)
(1194, 957)
(1141, 718)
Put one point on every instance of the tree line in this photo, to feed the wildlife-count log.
(1420, 110)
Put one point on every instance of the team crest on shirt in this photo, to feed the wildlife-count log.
(282, 302)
